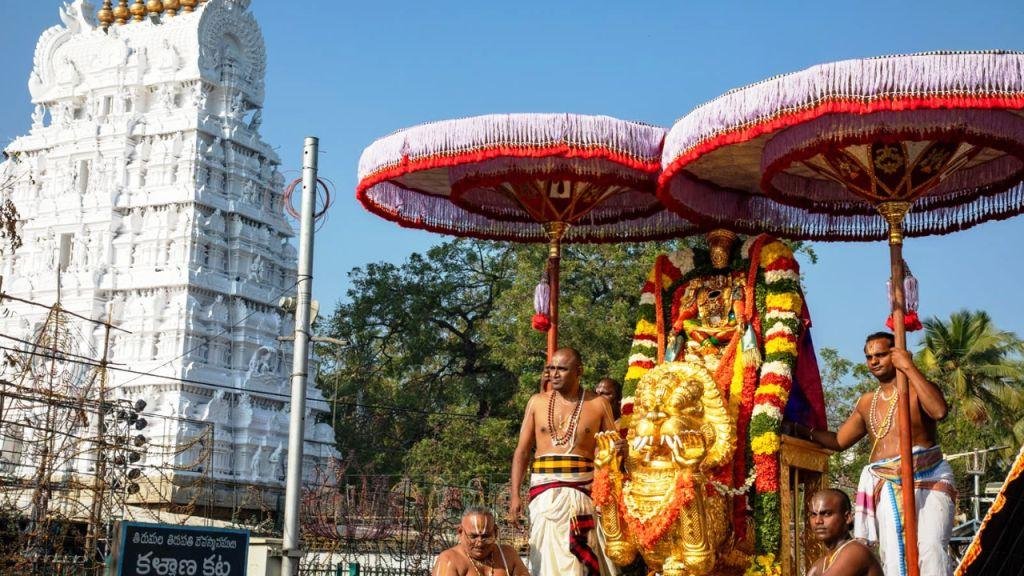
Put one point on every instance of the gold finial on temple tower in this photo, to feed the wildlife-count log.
(121, 13)
(138, 10)
(171, 7)
(155, 7)
(106, 14)
(188, 5)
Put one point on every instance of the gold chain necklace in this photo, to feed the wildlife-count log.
(477, 563)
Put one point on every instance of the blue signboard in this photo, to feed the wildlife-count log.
(171, 550)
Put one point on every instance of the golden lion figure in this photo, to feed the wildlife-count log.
(662, 506)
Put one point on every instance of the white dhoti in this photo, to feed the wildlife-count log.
(878, 514)
(565, 539)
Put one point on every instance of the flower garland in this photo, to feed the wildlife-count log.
(601, 487)
(764, 565)
(648, 531)
(757, 392)
(781, 326)
(668, 269)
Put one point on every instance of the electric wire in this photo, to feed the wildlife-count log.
(380, 407)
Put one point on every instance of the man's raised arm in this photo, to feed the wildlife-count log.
(929, 396)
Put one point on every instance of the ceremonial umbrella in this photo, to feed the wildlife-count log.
(523, 177)
(859, 150)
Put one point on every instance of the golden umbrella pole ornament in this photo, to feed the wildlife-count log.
(820, 153)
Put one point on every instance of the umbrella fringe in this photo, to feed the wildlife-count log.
(438, 214)
(931, 80)
(755, 213)
(551, 134)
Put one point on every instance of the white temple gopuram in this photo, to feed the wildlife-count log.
(143, 184)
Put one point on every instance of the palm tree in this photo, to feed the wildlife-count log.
(980, 369)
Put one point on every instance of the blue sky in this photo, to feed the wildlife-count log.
(351, 72)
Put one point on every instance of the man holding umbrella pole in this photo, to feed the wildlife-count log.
(879, 513)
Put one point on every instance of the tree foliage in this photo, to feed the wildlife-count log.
(442, 357)
(980, 370)
(599, 289)
(844, 382)
(10, 239)
(416, 350)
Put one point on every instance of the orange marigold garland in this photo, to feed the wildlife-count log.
(601, 488)
(647, 533)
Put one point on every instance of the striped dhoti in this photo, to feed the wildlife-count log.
(879, 514)
(564, 539)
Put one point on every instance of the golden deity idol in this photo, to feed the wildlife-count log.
(662, 504)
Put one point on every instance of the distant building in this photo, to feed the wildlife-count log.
(144, 182)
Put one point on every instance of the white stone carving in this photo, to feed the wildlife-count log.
(78, 16)
(262, 362)
(38, 113)
(243, 411)
(217, 409)
(255, 465)
(169, 59)
(164, 113)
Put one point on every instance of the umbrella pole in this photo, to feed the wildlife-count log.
(894, 212)
(555, 231)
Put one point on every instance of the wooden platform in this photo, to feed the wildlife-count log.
(803, 469)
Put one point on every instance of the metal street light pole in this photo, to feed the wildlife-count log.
(292, 548)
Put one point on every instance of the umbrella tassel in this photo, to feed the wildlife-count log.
(542, 306)
(911, 319)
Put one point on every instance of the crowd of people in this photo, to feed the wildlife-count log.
(557, 445)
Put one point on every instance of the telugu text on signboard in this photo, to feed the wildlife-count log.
(169, 550)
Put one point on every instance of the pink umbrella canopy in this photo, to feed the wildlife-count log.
(523, 177)
(810, 155)
(501, 176)
(859, 150)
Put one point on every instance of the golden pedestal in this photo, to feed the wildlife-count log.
(803, 467)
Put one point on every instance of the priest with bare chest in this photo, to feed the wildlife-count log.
(559, 427)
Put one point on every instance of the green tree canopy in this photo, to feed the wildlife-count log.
(442, 357)
(980, 370)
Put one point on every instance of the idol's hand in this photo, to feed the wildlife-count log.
(607, 452)
(687, 447)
